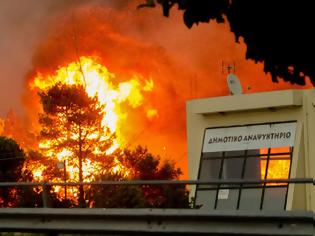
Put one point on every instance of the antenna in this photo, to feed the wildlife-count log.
(228, 67)
(234, 84)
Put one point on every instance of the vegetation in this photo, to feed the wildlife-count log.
(12, 158)
(72, 121)
(277, 33)
(142, 166)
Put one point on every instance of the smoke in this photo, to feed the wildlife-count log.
(23, 25)
(184, 64)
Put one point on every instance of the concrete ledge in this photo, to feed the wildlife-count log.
(156, 221)
(256, 101)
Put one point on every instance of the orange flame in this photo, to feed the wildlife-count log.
(98, 82)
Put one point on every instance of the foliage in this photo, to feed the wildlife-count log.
(12, 161)
(142, 165)
(33, 196)
(72, 121)
(277, 33)
(12, 158)
(115, 196)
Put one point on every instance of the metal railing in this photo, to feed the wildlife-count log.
(218, 183)
(164, 182)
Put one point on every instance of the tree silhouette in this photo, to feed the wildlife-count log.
(141, 165)
(277, 33)
(72, 121)
(145, 166)
(11, 163)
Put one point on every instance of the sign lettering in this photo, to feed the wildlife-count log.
(249, 137)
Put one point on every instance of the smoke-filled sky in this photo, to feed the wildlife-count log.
(184, 64)
(22, 25)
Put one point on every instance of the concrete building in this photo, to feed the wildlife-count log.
(261, 136)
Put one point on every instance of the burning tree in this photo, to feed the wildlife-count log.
(84, 112)
(72, 128)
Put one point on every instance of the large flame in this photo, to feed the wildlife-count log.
(98, 82)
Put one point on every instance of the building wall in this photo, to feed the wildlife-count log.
(278, 106)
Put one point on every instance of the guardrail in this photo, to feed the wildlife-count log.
(157, 221)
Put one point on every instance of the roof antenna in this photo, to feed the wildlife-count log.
(234, 84)
(228, 67)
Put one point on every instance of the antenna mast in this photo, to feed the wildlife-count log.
(228, 67)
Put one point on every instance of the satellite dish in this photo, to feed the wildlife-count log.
(234, 84)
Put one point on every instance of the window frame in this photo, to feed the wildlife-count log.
(244, 158)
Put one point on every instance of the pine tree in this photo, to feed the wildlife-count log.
(72, 121)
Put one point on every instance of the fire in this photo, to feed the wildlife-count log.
(152, 113)
(277, 168)
(98, 82)
(38, 172)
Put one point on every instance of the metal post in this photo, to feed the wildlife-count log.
(65, 176)
(47, 201)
